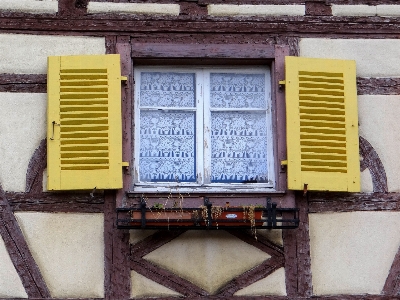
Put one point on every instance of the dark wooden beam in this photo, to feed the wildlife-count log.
(123, 48)
(221, 51)
(371, 160)
(56, 202)
(345, 202)
(296, 244)
(255, 274)
(23, 83)
(129, 24)
(157, 274)
(167, 279)
(117, 277)
(304, 278)
(36, 167)
(260, 242)
(19, 252)
(318, 8)
(378, 86)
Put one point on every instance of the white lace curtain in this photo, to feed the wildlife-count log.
(238, 132)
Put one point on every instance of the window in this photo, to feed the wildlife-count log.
(203, 127)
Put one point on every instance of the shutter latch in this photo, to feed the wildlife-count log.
(54, 124)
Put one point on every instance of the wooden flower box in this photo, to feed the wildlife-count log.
(222, 217)
(238, 217)
(165, 217)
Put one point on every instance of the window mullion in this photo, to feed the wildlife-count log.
(207, 128)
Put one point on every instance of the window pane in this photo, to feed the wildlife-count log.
(167, 89)
(230, 90)
(167, 146)
(238, 147)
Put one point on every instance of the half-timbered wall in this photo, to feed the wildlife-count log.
(66, 245)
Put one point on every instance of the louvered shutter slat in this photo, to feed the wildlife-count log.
(85, 103)
(322, 125)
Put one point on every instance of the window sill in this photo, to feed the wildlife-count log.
(210, 189)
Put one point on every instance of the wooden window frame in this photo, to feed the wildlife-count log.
(136, 54)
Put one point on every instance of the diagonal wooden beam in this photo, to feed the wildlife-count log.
(251, 276)
(374, 164)
(19, 252)
(261, 243)
(36, 166)
(392, 284)
(153, 242)
(166, 278)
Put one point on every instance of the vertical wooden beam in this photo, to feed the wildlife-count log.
(297, 254)
(19, 252)
(290, 250)
(304, 285)
(116, 254)
(72, 7)
(124, 49)
(279, 113)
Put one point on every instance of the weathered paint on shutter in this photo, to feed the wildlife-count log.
(322, 124)
(84, 138)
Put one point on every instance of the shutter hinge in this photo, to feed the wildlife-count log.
(282, 82)
(125, 164)
(284, 164)
(124, 78)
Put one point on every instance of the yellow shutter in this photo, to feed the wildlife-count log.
(84, 138)
(322, 124)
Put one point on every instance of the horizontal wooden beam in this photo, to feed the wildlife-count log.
(129, 24)
(179, 51)
(23, 83)
(378, 86)
(346, 202)
(56, 202)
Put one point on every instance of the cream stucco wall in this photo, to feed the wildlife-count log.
(143, 287)
(69, 251)
(255, 10)
(22, 127)
(133, 8)
(209, 259)
(30, 6)
(273, 284)
(351, 253)
(374, 57)
(10, 283)
(27, 54)
(379, 124)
